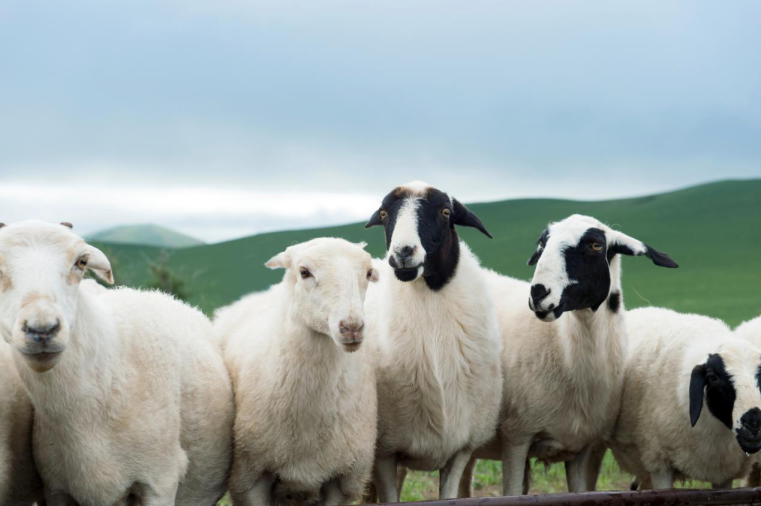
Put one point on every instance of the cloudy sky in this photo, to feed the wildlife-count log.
(226, 118)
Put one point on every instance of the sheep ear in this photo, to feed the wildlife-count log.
(361, 244)
(462, 216)
(375, 219)
(697, 385)
(621, 243)
(280, 261)
(539, 247)
(535, 257)
(99, 264)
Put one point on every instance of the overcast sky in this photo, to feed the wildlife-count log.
(226, 118)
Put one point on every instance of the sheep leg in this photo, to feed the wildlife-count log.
(722, 484)
(401, 477)
(152, 498)
(754, 476)
(466, 482)
(514, 457)
(59, 499)
(662, 479)
(451, 473)
(595, 464)
(384, 476)
(333, 495)
(258, 493)
(576, 470)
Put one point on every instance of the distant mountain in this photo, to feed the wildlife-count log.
(145, 235)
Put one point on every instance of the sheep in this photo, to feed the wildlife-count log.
(563, 376)
(304, 386)
(20, 484)
(751, 331)
(131, 396)
(437, 340)
(677, 364)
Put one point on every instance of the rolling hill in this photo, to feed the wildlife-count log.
(145, 235)
(713, 231)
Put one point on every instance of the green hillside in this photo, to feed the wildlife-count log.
(145, 235)
(713, 231)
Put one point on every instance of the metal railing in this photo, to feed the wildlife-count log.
(687, 497)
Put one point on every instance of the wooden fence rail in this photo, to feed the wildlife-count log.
(686, 497)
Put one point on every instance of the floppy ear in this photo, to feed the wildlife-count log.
(99, 264)
(697, 384)
(462, 216)
(539, 248)
(280, 261)
(621, 243)
(375, 219)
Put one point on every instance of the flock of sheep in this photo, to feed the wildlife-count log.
(125, 397)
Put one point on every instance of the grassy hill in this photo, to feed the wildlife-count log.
(145, 235)
(713, 231)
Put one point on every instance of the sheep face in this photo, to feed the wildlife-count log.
(421, 240)
(728, 381)
(41, 267)
(573, 265)
(328, 280)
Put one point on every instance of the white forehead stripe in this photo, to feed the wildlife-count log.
(405, 229)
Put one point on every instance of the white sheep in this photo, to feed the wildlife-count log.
(563, 375)
(751, 331)
(304, 386)
(435, 328)
(20, 484)
(132, 399)
(691, 401)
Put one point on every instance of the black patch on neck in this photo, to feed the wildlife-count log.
(614, 301)
(720, 390)
(590, 272)
(440, 267)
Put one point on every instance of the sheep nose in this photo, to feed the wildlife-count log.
(751, 420)
(351, 329)
(539, 293)
(41, 332)
(405, 252)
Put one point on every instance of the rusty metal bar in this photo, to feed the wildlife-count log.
(686, 497)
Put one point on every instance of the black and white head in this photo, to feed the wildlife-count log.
(576, 266)
(421, 239)
(729, 383)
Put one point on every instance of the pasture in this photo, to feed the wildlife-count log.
(713, 231)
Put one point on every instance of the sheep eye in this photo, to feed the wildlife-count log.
(304, 272)
(597, 246)
(81, 264)
(383, 215)
(446, 212)
(369, 274)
